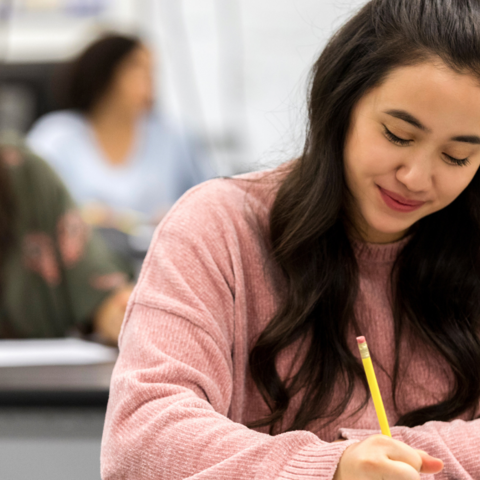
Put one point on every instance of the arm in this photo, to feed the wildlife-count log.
(94, 282)
(172, 386)
(457, 443)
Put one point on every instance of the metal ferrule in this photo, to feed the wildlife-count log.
(364, 353)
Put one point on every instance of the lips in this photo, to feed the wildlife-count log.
(400, 199)
(397, 202)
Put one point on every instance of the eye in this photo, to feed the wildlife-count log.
(403, 143)
(457, 161)
(394, 139)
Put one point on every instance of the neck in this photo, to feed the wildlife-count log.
(113, 115)
(114, 126)
(365, 234)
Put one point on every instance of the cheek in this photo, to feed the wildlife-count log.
(451, 185)
(131, 89)
(141, 85)
(367, 156)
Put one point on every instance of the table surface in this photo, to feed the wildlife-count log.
(55, 385)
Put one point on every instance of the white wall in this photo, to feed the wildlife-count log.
(241, 68)
(42, 34)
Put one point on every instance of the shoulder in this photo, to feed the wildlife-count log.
(60, 117)
(216, 230)
(56, 125)
(25, 167)
(230, 196)
(231, 211)
(157, 119)
(164, 128)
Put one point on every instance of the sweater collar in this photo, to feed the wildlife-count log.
(378, 253)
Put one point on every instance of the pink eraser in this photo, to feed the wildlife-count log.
(361, 339)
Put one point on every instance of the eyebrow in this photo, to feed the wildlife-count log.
(409, 118)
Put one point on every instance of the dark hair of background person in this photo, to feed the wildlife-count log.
(436, 276)
(83, 82)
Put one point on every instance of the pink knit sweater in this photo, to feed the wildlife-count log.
(181, 391)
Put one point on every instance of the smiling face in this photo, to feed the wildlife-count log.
(412, 147)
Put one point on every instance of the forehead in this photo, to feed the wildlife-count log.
(139, 53)
(432, 92)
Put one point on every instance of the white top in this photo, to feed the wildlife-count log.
(162, 165)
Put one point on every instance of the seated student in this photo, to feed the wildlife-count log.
(238, 355)
(56, 275)
(109, 145)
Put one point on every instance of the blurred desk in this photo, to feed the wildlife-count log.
(55, 385)
(51, 421)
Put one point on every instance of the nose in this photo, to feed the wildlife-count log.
(416, 174)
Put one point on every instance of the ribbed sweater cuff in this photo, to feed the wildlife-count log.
(315, 461)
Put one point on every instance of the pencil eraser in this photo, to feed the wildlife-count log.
(361, 340)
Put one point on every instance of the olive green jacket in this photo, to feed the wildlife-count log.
(58, 270)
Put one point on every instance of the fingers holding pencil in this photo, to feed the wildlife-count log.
(380, 457)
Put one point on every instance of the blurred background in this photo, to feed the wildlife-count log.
(234, 71)
(233, 75)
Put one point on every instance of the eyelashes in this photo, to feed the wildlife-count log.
(457, 161)
(394, 139)
(403, 143)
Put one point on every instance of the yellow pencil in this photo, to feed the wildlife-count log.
(372, 383)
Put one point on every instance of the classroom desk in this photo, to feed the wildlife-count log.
(51, 421)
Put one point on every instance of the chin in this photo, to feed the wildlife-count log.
(390, 227)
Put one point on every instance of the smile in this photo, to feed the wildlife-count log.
(398, 203)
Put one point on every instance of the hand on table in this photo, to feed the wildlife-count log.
(380, 457)
(108, 317)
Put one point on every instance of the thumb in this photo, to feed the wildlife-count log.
(122, 297)
(123, 300)
(430, 464)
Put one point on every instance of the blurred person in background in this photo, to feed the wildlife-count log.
(56, 275)
(117, 155)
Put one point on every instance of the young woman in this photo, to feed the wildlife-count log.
(108, 144)
(238, 353)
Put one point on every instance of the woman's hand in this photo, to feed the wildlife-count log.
(108, 317)
(380, 457)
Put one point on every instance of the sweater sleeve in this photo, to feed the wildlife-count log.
(172, 385)
(457, 443)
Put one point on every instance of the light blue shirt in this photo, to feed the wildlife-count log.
(162, 166)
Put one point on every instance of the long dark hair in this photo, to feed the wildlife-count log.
(436, 276)
(86, 79)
